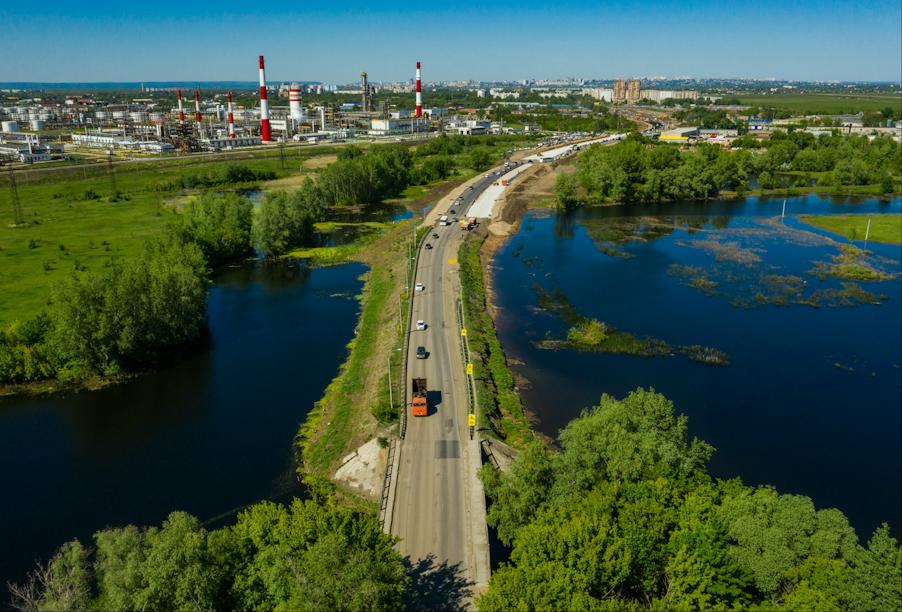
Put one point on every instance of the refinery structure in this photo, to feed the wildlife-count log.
(143, 126)
(196, 120)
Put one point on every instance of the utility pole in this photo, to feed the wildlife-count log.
(112, 173)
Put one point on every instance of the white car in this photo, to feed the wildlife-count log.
(419, 287)
(421, 325)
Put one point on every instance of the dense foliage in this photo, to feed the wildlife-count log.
(228, 174)
(637, 170)
(219, 224)
(302, 557)
(124, 318)
(626, 517)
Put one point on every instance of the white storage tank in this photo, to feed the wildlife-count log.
(156, 117)
(37, 124)
(10, 126)
(103, 115)
(119, 114)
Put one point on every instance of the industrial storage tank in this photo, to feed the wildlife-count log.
(101, 115)
(138, 116)
(119, 114)
(37, 124)
(10, 126)
(156, 117)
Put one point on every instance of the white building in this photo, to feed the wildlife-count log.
(469, 127)
(397, 125)
(601, 94)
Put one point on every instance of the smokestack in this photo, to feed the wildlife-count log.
(419, 108)
(294, 103)
(197, 119)
(265, 130)
(231, 118)
(178, 93)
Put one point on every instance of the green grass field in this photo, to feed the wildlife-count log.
(825, 104)
(884, 228)
(73, 223)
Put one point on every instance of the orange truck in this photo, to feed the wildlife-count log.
(419, 406)
(467, 224)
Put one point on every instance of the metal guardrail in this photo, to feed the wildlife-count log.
(468, 369)
(386, 481)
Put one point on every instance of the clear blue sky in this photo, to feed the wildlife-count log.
(99, 40)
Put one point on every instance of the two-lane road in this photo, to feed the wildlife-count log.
(431, 513)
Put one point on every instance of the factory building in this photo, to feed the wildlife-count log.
(397, 125)
(225, 142)
(683, 134)
(469, 127)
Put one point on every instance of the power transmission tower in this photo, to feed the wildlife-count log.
(112, 173)
(18, 219)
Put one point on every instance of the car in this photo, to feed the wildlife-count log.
(435, 235)
(419, 287)
(470, 187)
(452, 212)
(421, 325)
(421, 352)
(428, 246)
(455, 219)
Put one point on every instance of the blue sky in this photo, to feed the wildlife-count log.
(99, 40)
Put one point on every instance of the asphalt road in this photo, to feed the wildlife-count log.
(434, 485)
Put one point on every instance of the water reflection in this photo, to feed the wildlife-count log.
(207, 433)
(810, 400)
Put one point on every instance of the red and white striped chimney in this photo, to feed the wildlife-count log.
(231, 118)
(178, 94)
(197, 118)
(419, 108)
(265, 130)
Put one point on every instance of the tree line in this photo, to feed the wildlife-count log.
(304, 556)
(639, 170)
(627, 517)
(129, 316)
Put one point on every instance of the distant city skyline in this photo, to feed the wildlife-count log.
(804, 40)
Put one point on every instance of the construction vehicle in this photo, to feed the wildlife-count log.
(419, 405)
(467, 224)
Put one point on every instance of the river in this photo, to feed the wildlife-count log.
(810, 400)
(208, 434)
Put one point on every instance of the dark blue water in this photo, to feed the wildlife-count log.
(209, 434)
(811, 400)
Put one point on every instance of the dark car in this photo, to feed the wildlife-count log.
(455, 219)
(428, 246)
(452, 212)
(421, 352)
(435, 235)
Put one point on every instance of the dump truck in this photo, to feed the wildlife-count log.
(418, 404)
(467, 224)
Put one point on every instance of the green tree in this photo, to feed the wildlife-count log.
(479, 159)
(517, 495)
(635, 438)
(220, 224)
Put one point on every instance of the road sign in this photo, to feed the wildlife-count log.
(471, 420)
(463, 331)
(470, 369)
